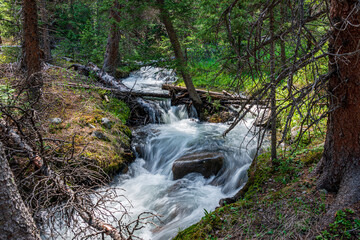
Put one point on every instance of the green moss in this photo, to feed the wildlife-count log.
(312, 156)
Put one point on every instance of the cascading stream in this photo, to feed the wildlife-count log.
(149, 184)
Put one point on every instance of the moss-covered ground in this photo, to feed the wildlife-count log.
(80, 111)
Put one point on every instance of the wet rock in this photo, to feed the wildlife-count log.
(100, 135)
(56, 120)
(205, 163)
(106, 123)
(263, 118)
(221, 117)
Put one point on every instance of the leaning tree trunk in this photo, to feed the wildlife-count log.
(181, 61)
(31, 49)
(15, 220)
(340, 165)
(111, 58)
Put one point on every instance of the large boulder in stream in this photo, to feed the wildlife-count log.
(205, 163)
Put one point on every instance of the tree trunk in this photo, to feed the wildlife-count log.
(45, 32)
(282, 40)
(273, 88)
(15, 220)
(31, 50)
(340, 165)
(181, 62)
(111, 58)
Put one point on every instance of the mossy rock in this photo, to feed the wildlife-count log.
(312, 157)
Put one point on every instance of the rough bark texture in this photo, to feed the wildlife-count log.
(15, 219)
(340, 166)
(111, 58)
(282, 40)
(182, 66)
(32, 52)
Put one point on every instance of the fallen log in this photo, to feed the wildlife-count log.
(118, 88)
(126, 92)
(204, 93)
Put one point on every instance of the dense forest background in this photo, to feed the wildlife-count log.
(297, 59)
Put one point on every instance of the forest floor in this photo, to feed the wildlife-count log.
(282, 203)
(75, 115)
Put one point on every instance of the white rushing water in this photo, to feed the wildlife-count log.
(149, 184)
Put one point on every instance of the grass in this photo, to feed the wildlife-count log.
(281, 203)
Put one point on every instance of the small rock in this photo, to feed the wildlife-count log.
(323, 191)
(56, 120)
(91, 126)
(100, 135)
(106, 122)
(205, 163)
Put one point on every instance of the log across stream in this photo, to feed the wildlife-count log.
(149, 184)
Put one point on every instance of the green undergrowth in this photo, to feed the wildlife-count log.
(345, 226)
(282, 202)
(9, 54)
(205, 74)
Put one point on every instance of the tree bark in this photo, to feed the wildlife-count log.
(340, 166)
(273, 89)
(181, 62)
(15, 220)
(32, 54)
(111, 58)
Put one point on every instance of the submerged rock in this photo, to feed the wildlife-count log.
(205, 163)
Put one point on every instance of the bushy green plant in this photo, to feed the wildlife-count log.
(344, 227)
